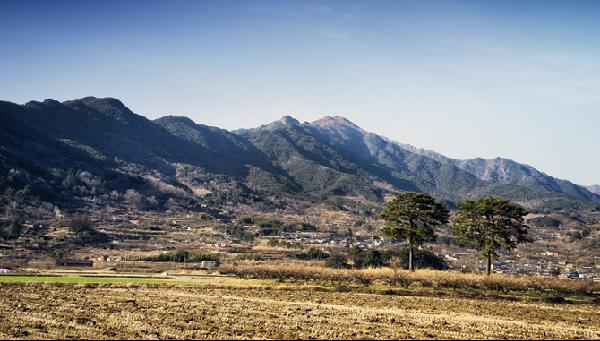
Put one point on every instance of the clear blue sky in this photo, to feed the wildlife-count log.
(466, 78)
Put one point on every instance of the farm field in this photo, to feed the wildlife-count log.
(236, 308)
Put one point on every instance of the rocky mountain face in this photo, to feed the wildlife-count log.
(594, 189)
(93, 147)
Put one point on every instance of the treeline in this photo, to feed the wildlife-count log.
(184, 256)
(273, 227)
(358, 258)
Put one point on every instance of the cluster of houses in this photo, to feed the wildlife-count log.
(506, 265)
(539, 267)
(105, 258)
(326, 238)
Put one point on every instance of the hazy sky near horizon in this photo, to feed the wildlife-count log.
(515, 79)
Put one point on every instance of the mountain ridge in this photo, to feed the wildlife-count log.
(328, 160)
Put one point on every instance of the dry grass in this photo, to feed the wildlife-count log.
(36, 310)
(424, 278)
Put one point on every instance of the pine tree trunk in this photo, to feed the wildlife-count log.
(488, 268)
(411, 265)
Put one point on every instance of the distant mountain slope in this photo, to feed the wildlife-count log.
(227, 152)
(48, 142)
(394, 165)
(360, 157)
(244, 160)
(506, 171)
(317, 167)
(108, 127)
(594, 189)
(93, 147)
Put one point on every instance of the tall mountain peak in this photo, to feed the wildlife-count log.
(288, 120)
(336, 121)
(283, 122)
(340, 127)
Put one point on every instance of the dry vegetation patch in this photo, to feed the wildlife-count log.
(424, 278)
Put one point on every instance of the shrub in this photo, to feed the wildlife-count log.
(184, 256)
(81, 223)
(240, 233)
(368, 258)
(316, 253)
(423, 259)
(12, 231)
(248, 256)
(85, 230)
(363, 277)
(337, 261)
(544, 221)
(554, 299)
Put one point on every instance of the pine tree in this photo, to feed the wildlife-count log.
(412, 217)
(489, 225)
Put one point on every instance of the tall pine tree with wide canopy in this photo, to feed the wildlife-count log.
(489, 225)
(412, 217)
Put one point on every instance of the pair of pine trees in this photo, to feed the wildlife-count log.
(488, 224)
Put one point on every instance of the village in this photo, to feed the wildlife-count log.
(137, 238)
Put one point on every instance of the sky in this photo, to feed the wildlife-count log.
(514, 79)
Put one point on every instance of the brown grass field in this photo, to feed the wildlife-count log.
(274, 310)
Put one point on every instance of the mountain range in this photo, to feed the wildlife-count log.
(97, 148)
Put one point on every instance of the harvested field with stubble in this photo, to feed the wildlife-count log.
(142, 311)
